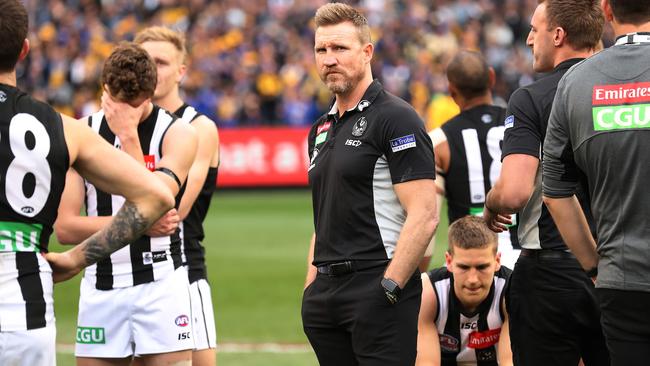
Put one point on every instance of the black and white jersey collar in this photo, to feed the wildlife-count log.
(633, 38)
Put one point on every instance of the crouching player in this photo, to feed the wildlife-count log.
(462, 317)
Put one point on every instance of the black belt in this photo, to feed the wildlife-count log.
(547, 254)
(341, 268)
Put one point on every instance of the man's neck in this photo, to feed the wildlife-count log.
(171, 101)
(147, 112)
(621, 29)
(485, 99)
(351, 99)
(8, 78)
(569, 53)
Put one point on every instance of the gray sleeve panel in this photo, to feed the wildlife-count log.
(560, 173)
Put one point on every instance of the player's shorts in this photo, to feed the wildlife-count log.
(29, 347)
(150, 318)
(205, 333)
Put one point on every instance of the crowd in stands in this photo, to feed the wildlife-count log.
(251, 62)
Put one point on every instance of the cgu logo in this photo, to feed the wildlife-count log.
(182, 320)
(88, 335)
(621, 117)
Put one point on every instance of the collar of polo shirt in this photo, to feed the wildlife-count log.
(367, 99)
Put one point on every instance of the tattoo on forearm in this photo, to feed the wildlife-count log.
(127, 225)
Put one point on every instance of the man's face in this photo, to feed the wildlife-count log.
(341, 58)
(169, 66)
(540, 40)
(473, 271)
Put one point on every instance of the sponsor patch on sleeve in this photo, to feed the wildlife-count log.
(402, 143)
(321, 138)
(509, 122)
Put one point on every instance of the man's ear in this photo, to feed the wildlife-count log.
(607, 10)
(454, 94)
(182, 70)
(559, 36)
(368, 51)
(24, 50)
(498, 260)
(492, 77)
(448, 259)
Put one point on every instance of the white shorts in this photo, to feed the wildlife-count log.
(151, 318)
(35, 347)
(205, 333)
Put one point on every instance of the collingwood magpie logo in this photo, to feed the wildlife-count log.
(3, 97)
(359, 127)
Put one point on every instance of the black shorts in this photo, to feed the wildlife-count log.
(626, 325)
(554, 315)
(349, 321)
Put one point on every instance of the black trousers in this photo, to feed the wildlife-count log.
(626, 324)
(349, 321)
(554, 314)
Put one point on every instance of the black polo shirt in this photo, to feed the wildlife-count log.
(526, 120)
(355, 160)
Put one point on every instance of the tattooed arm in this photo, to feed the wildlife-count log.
(127, 225)
(111, 171)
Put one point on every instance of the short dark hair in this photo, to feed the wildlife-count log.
(337, 13)
(129, 73)
(582, 20)
(469, 73)
(13, 31)
(631, 11)
(471, 232)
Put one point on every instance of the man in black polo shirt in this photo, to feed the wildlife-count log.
(372, 177)
(599, 126)
(554, 318)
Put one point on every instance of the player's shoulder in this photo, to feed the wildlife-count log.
(585, 68)
(25, 103)
(395, 109)
(438, 274)
(503, 272)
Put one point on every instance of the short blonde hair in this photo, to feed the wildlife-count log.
(471, 232)
(337, 13)
(163, 34)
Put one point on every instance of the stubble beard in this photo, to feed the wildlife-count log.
(345, 85)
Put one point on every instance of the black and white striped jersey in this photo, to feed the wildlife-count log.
(147, 259)
(33, 163)
(474, 137)
(192, 227)
(468, 338)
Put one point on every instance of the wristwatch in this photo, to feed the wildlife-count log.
(391, 289)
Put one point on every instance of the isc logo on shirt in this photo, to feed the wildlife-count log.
(89, 335)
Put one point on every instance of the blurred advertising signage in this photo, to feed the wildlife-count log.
(263, 157)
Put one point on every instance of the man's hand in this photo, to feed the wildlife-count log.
(122, 118)
(64, 265)
(166, 225)
(496, 222)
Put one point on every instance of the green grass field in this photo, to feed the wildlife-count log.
(257, 243)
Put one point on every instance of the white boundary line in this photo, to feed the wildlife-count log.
(230, 348)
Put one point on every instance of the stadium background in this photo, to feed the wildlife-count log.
(251, 70)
